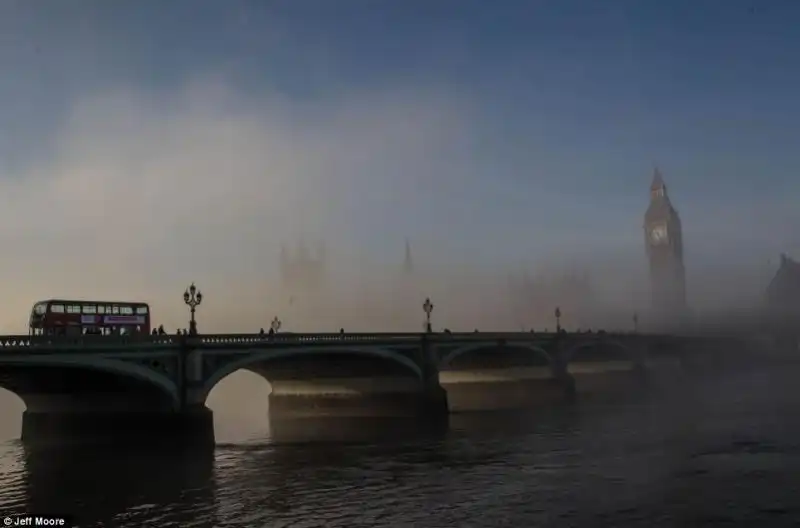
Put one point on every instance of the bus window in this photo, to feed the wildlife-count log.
(126, 310)
(101, 309)
(115, 310)
(73, 308)
(89, 309)
(40, 309)
(141, 310)
(56, 308)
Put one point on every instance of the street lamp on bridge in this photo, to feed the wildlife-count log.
(558, 319)
(275, 325)
(428, 307)
(192, 297)
(635, 322)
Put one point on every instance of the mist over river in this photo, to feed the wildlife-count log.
(724, 452)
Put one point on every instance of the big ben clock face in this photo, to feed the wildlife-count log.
(658, 234)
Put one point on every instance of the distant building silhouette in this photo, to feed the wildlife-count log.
(664, 243)
(301, 271)
(783, 296)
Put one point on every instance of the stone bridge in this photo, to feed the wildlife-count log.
(131, 387)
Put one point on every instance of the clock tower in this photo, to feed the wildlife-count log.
(664, 243)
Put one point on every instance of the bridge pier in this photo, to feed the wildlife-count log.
(506, 395)
(356, 417)
(508, 376)
(68, 404)
(353, 398)
(598, 374)
(192, 426)
(402, 405)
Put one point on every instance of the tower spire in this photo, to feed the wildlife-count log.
(658, 188)
(408, 264)
(658, 178)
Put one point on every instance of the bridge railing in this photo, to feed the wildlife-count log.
(93, 342)
(302, 338)
(87, 341)
(359, 337)
(213, 340)
(220, 340)
(15, 341)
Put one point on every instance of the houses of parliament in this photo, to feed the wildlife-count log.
(302, 270)
(305, 273)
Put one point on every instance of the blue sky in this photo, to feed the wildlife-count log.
(501, 131)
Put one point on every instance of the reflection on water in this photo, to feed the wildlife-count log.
(723, 452)
(127, 488)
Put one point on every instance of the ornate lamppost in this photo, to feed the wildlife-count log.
(428, 308)
(635, 322)
(558, 320)
(192, 297)
(275, 325)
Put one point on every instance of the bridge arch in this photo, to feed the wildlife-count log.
(114, 367)
(263, 356)
(541, 354)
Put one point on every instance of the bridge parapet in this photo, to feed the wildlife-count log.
(93, 343)
(104, 343)
(86, 343)
(225, 340)
(15, 341)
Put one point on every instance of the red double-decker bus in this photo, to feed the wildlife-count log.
(74, 318)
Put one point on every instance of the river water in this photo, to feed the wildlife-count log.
(724, 452)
